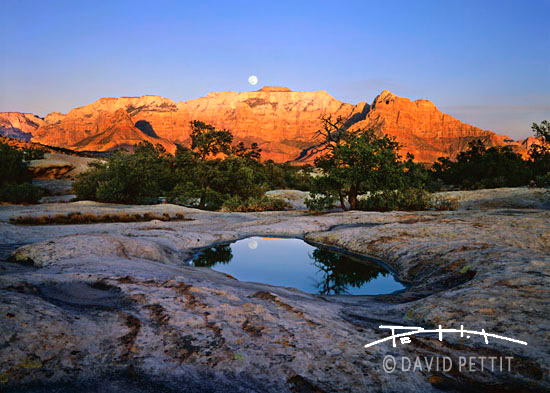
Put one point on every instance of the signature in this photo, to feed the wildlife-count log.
(404, 338)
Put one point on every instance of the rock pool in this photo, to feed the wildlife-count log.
(294, 263)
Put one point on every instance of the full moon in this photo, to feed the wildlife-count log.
(253, 244)
(252, 79)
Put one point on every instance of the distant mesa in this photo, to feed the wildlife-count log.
(275, 89)
(284, 125)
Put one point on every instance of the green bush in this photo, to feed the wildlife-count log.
(20, 193)
(126, 178)
(411, 199)
(85, 186)
(15, 186)
(237, 176)
(285, 176)
(481, 167)
(33, 154)
(205, 175)
(543, 181)
(208, 184)
(237, 204)
(539, 152)
(184, 193)
(13, 167)
(320, 202)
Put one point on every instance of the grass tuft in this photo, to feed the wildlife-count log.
(76, 218)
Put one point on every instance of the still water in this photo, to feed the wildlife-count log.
(295, 263)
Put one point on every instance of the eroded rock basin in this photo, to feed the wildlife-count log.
(290, 262)
(116, 302)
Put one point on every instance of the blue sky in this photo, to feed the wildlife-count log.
(485, 62)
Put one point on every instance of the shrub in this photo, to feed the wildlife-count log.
(126, 178)
(184, 193)
(285, 176)
(440, 203)
(543, 180)
(192, 177)
(91, 218)
(20, 193)
(237, 204)
(320, 202)
(407, 199)
(208, 184)
(33, 154)
(15, 186)
(86, 184)
(13, 167)
(481, 167)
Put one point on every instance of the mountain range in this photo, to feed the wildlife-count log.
(281, 121)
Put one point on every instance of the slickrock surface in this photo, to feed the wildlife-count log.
(515, 198)
(59, 166)
(283, 122)
(113, 307)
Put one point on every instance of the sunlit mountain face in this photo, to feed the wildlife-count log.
(283, 122)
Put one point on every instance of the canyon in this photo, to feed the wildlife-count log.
(283, 122)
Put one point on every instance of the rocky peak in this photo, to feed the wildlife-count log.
(384, 96)
(54, 117)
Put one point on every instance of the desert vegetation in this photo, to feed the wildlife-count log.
(362, 170)
(91, 218)
(357, 170)
(481, 167)
(212, 173)
(15, 178)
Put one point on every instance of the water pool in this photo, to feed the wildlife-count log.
(295, 263)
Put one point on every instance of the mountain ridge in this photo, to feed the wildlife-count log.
(282, 121)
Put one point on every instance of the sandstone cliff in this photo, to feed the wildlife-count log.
(19, 125)
(102, 126)
(282, 121)
(423, 130)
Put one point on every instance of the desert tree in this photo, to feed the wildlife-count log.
(334, 130)
(539, 153)
(208, 142)
(253, 152)
(361, 163)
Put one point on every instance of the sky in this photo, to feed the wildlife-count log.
(486, 63)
